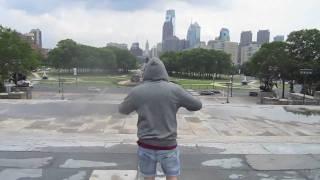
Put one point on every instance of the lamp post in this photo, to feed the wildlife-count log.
(272, 69)
(228, 86)
(213, 82)
(62, 95)
(232, 79)
(17, 63)
(59, 80)
(305, 72)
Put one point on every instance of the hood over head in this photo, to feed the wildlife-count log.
(155, 71)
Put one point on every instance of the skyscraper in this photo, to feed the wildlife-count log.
(147, 51)
(171, 17)
(147, 46)
(246, 38)
(193, 35)
(224, 35)
(37, 37)
(279, 38)
(167, 30)
(263, 36)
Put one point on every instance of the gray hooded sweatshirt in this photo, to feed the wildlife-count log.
(157, 101)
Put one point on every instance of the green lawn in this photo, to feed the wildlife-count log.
(218, 83)
(86, 79)
(112, 80)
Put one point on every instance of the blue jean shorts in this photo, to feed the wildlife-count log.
(168, 159)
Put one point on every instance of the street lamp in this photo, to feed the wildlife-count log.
(305, 72)
(59, 80)
(228, 87)
(232, 78)
(17, 63)
(212, 82)
(272, 70)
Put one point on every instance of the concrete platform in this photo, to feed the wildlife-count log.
(282, 162)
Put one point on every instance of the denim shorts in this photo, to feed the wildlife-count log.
(168, 159)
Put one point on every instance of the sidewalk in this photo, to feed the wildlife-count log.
(88, 140)
(95, 163)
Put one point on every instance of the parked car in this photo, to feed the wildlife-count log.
(206, 92)
(216, 92)
(253, 93)
(244, 82)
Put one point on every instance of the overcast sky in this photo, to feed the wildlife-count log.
(97, 22)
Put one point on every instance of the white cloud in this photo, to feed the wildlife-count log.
(99, 26)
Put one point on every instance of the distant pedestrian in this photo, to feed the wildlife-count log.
(157, 101)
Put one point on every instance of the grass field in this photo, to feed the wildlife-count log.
(216, 84)
(85, 79)
(113, 80)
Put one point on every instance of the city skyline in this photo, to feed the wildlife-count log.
(99, 22)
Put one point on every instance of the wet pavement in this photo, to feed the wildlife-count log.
(214, 122)
(87, 163)
(84, 137)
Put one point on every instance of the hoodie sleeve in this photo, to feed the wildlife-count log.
(188, 101)
(128, 104)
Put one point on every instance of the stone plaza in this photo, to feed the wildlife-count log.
(84, 137)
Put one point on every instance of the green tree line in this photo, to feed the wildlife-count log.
(283, 60)
(197, 63)
(16, 55)
(69, 54)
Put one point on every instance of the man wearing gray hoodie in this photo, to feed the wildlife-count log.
(157, 101)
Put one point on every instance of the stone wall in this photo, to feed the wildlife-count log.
(26, 90)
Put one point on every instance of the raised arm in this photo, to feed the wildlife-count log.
(188, 101)
(128, 104)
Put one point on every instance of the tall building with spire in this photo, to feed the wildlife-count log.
(167, 30)
(193, 35)
(170, 42)
(171, 17)
(147, 50)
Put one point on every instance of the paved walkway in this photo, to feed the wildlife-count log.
(120, 162)
(74, 140)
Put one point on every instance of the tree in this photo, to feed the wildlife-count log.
(170, 59)
(69, 54)
(271, 62)
(125, 60)
(16, 55)
(201, 63)
(64, 55)
(304, 46)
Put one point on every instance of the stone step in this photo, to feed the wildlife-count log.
(123, 174)
(113, 174)
(120, 175)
